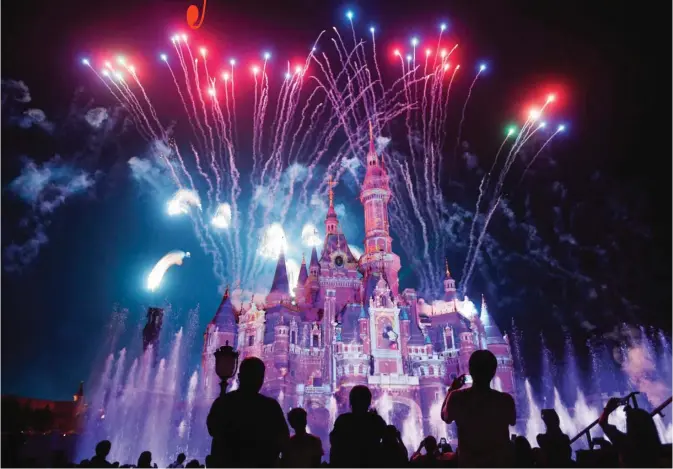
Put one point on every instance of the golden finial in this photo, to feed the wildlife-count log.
(303, 258)
(446, 265)
(371, 131)
(331, 184)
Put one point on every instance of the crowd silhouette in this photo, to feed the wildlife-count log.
(249, 429)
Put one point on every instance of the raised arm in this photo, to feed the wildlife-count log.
(448, 409)
(615, 436)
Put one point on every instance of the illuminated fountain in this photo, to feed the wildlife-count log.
(140, 406)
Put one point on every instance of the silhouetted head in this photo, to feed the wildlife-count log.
(298, 419)
(103, 448)
(483, 365)
(430, 444)
(360, 398)
(551, 419)
(251, 374)
(145, 459)
(181, 458)
(193, 463)
(390, 433)
(640, 428)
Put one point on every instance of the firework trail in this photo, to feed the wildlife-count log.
(311, 126)
(561, 128)
(482, 67)
(160, 268)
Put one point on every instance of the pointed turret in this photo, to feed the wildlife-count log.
(314, 266)
(280, 288)
(303, 273)
(372, 158)
(225, 318)
(331, 220)
(449, 284)
(491, 330)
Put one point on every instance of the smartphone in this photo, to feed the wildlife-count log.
(468, 379)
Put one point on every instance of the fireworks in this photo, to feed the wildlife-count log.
(160, 268)
(222, 218)
(180, 202)
(310, 123)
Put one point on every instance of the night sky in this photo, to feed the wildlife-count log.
(57, 308)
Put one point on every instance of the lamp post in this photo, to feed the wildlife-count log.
(226, 362)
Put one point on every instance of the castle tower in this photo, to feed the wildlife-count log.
(312, 284)
(374, 196)
(467, 346)
(431, 383)
(280, 288)
(331, 220)
(281, 346)
(220, 331)
(449, 285)
(499, 346)
(329, 317)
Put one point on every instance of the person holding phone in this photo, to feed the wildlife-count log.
(640, 445)
(482, 415)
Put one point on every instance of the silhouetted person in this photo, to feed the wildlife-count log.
(555, 444)
(640, 445)
(145, 460)
(444, 446)
(248, 429)
(179, 461)
(100, 459)
(429, 459)
(393, 451)
(193, 463)
(356, 438)
(482, 415)
(523, 453)
(303, 449)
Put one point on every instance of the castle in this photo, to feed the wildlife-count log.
(349, 324)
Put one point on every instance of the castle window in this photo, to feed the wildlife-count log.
(361, 370)
(293, 337)
(251, 340)
(431, 371)
(316, 341)
(351, 370)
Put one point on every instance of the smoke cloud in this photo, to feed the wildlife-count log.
(45, 188)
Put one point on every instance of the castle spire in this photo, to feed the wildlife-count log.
(449, 284)
(491, 330)
(303, 273)
(372, 158)
(331, 220)
(280, 283)
(225, 318)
